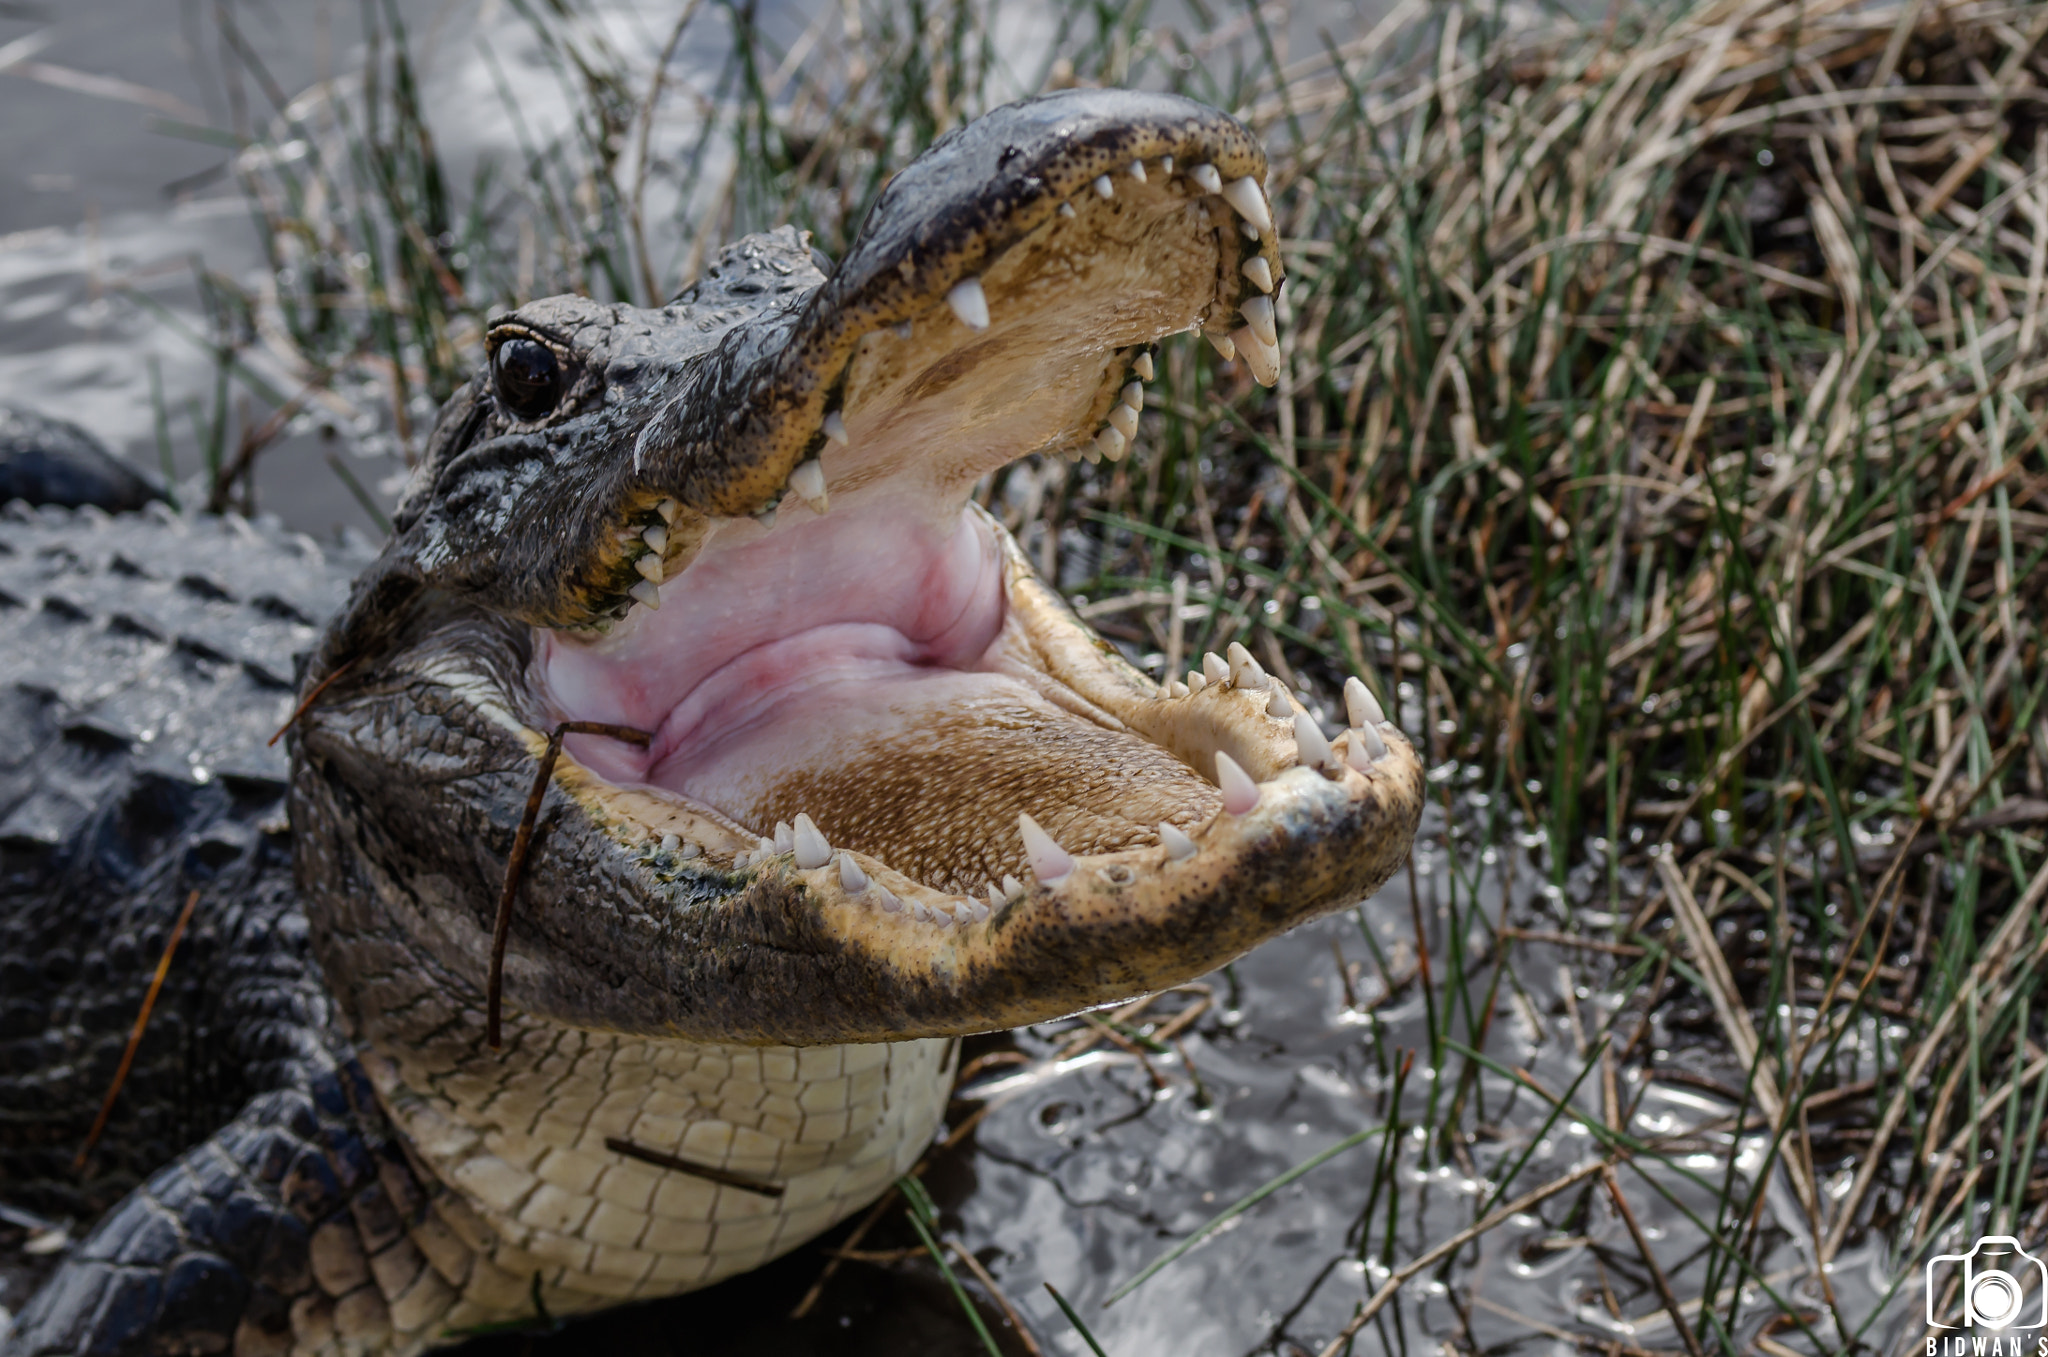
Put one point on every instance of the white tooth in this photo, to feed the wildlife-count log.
(1124, 420)
(851, 878)
(834, 426)
(692, 850)
(649, 567)
(1213, 668)
(890, 904)
(921, 912)
(1261, 359)
(1049, 862)
(1103, 187)
(1179, 847)
(1240, 793)
(739, 860)
(1166, 164)
(656, 540)
(1196, 682)
(1138, 170)
(812, 851)
(1360, 704)
(1251, 232)
(785, 837)
(808, 480)
(766, 518)
(1250, 201)
(1142, 365)
(1260, 272)
(1223, 344)
(1311, 749)
(765, 846)
(1207, 178)
(1012, 887)
(1278, 704)
(969, 303)
(1175, 688)
(671, 842)
(995, 895)
(668, 509)
(981, 911)
(1375, 747)
(1258, 313)
(1111, 442)
(1134, 395)
(1066, 209)
(1244, 670)
(646, 593)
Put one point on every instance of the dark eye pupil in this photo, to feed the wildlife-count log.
(529, 380)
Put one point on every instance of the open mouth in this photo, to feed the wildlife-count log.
(860, 679)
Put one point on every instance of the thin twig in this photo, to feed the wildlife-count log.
(156, 984)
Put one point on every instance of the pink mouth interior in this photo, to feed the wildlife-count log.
(780, 648)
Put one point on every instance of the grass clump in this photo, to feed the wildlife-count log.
(1660, 432)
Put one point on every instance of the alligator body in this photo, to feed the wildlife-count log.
(835, 778)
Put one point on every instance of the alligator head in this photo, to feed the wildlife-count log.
(893, 787)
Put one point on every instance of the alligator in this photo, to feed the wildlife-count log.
(695, 764)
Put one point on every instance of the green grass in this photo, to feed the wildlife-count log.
(1661, 434)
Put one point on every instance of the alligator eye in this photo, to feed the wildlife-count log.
(528, 379)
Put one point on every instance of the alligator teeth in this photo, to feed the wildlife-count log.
(969, 303)
(656, 539)
(812, 851)
(785, 837)
(1166, 164)
(1104, 187)
(1258, 314)
(645, 592)
(1311, 750)
(1124, 420)
(1134, 395)
(1213, 667)
(995, 896)
(833, 426)
(978, 910)
(1138, 170)
(922, 912)
(1251, 232)
(766, 847)
(1179, 847)
(1066, 209)
(670, 842)
(1049, 862)
(1142, 365)
(1240, 793)
(739, 860)
(1175, 688)
(1196, 682)
(1250, 201)
(1223, 344)
(1111, 441)
(692, 850)
(649, 567)
(887, 899)
(808, 480)
(1244, 670)
(1260, 272)
(668, 509)
(766, 518)
(1012, 887)
(1366, 748)
(1277, 704)
(1206, 176)
(851, 878)
(1261, 358)
(1360, 704)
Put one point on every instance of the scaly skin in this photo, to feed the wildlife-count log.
(782, 460)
